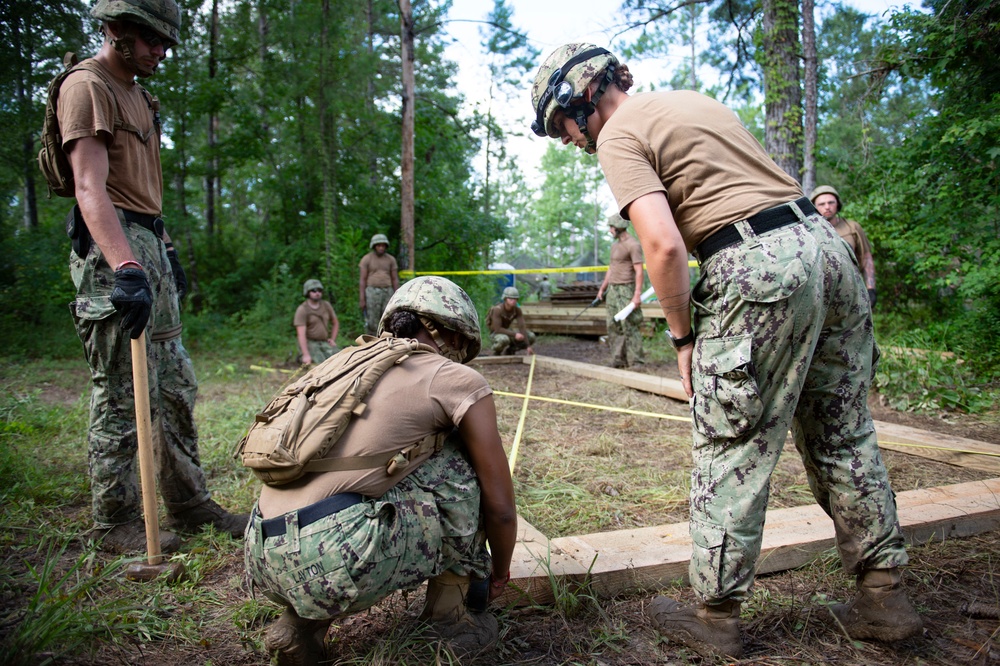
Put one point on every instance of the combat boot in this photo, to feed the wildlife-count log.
(210, 513)
(711, 631)
(296, 641)
(880, 610)
(130, 539)
(450, 621)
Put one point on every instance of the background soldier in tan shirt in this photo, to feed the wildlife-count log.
(828, 203)
(379, 280)
(623, 285)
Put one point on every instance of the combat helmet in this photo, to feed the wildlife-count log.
(163, 16)
(563, 78)
(376, 239)
(511, 292)
(310, 285)
(617, 221)
(445, 304)
(826, 189)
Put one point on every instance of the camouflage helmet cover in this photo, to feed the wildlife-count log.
(163, 16)
(376, 239)
(511, 292)
(826, 189)
(617, 221)
(310, 285)
(442, 301)
(579, 77)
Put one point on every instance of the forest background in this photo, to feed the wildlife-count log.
(281, 155)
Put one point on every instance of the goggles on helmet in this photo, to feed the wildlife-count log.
(562, 90)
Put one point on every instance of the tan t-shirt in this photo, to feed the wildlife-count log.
(855, 236)
(379, 269)
(625, 253)
(318, 322)
(86, 108)
(695, 149)
(425, 394)
(499, 320)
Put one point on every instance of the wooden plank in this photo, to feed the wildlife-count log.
(651, 558)
(671, 388)
(944, 448)
(495, 360)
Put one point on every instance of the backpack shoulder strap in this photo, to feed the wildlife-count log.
(119, 122)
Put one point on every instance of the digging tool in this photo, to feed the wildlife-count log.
(154, 567)
(592, 304)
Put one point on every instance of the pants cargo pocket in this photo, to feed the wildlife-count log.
(708, 541)
(727, 402)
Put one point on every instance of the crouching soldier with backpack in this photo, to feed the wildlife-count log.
(413, 486)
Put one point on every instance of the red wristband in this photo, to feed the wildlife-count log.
(499, 584)
(127, 263)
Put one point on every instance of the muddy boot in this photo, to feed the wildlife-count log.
(711, 631)
(296, 641)
(210, 513)
(450, 621)
(880, 610)
(130, 539)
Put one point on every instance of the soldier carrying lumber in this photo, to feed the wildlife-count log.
(784, 338)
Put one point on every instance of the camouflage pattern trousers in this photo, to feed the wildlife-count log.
(320, 350)
(376, 298)
(112, 439)
(624, 337)
(501, 343)
(426, 524)
(785, 340)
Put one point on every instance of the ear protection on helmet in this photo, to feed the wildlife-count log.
(562, 92)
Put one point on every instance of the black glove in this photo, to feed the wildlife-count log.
(180, 279)
(596, 301)
(871, 298)
(133, 298)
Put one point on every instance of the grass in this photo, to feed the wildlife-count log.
(580, 471)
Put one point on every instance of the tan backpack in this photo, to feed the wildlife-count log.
(52, 159)
(299, 427)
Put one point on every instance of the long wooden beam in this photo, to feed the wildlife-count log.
(651, 558)
(637, 380)
(959, 451)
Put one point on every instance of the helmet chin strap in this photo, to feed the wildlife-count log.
(449, 352)
(124, 46)
(583, 111)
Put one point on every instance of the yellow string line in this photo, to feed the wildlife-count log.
(592, 406)
(688, 419)
(520, 422)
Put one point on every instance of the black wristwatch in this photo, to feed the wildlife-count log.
(681, 342)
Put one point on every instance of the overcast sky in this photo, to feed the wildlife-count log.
(549, 25)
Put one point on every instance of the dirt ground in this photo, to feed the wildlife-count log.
(783, 623)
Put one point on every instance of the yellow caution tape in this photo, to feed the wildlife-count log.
(520, 271)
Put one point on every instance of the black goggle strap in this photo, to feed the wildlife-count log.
(582, 112)
(538, 127)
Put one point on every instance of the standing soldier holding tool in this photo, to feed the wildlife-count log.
(379, 281)
(623, 285)
(781, 338)
(127, 278)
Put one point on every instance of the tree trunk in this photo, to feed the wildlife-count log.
(811, 65)
(782, 85)
(407, 258)
(212, 170)
(327, 145)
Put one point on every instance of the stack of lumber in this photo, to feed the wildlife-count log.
(562, 319)
(571, 294)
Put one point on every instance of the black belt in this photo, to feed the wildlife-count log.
(145, 220)
(310, 514)
(766, 220)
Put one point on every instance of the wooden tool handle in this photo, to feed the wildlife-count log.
(144, 430)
